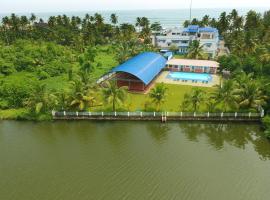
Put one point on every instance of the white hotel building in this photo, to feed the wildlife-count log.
(181, 37)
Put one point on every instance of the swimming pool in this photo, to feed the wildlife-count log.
(190, 76)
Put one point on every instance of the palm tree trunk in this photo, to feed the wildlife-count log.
(114, 104)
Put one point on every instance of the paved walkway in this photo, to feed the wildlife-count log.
(163, 79)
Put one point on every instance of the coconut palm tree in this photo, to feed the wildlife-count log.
(263, 53)
(158, 95)
(195, 50)
(242, 78)
(139, 23)
(211, 103)
(145, 22)
(185, 103)
(33, 18)
(156, 26)
(123, 52)
(205, 20)
(98, 19)
(38, 100)
(223, 23)
(82, 101)
(127, 32)
(112, 94)
(81, 97)
(250, 95)
(196, 97)
(226, 94)
(6, 26)
(114, 19)
(63, 99)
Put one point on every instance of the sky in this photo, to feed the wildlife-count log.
(7, 6)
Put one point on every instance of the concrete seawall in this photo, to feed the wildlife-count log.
(120, 118)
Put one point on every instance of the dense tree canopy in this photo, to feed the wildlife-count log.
(54, 64)
(61, 59)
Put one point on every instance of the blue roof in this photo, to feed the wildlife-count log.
(144, 66)
(196, 28)
(208, 29)
(168, 54)
(192, 29)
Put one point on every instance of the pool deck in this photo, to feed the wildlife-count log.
(163, 79)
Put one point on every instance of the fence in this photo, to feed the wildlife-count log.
(164, 116)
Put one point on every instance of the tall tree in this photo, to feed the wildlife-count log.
(158, 95)
(249, 92)
(112, 94)
(114, 19)
(195, 50)
(195, 98)
(226, 95)
(156, 26)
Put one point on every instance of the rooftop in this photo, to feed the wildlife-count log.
(144, 66)
(197, 63)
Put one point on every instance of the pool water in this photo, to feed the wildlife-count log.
(190, 76)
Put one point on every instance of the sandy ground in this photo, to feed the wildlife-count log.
(162, 79)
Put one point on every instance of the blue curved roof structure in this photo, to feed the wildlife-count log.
(144, 66)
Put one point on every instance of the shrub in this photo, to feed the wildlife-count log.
(42, 75)
(266, 124)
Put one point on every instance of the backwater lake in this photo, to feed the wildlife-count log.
(133, 160)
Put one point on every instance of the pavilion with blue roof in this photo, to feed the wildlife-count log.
(138, 72)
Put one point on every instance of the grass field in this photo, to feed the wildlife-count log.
(104, 62)
(179, 56)
(174, 99)
(13, 113)
(136, 102)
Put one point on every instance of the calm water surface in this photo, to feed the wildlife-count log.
(133, 160)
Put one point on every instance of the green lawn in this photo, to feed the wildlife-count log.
(179, 56)
(18, 113)
(175, 96)
(136, 102)
(104, 62)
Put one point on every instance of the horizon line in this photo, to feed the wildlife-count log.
(141, 9)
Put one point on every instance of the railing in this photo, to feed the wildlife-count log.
(194, 115)
(105, 77)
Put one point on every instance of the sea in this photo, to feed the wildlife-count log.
(167, 18)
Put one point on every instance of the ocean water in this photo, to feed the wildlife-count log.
(167, 18)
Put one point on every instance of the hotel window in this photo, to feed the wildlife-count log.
(162, 41)
(175, 41)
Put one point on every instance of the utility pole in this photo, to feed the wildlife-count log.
(190, 9)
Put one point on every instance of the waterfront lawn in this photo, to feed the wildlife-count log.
(19, 113)
(175, 97)
(178, 56)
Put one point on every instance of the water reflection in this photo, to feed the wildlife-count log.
(159, 131)
(218, 135)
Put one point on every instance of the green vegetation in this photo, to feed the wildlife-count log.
(158, 95)
(174, 96)
(195, 51)
(266, 122)
(248, 39)
(54, 65)
(113, 94)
